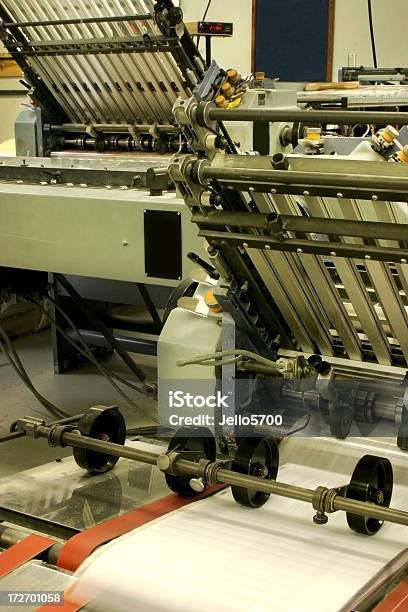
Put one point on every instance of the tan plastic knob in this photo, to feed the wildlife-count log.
(233, 76)
(227, 89)
(221, 102)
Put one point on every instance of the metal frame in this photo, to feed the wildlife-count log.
(88, 65)
(329, 274)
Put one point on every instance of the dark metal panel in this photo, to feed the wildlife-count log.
(163, 244)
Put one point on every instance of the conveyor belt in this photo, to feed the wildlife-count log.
(23, 552)
(96, 63)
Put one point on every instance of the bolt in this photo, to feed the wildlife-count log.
(125, 243)
(320, 518)
(375, 496)
(259, 470)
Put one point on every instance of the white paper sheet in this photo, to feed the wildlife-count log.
(217, 555)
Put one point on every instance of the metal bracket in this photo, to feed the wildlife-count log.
(29, 426)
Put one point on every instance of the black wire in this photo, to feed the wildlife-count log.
(86, 352)
(372, 35)
(206, 10)
(302, 427)
(107, 374)
(204, 18)
(16, 363)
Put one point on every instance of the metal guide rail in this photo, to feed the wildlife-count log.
(136, 173)
(103, 63)
(327, 236)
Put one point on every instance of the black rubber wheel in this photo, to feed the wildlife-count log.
(194, 439)
(105, 424)
(341, 415)
(372, 481)
(255, 457)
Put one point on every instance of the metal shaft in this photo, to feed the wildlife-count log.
(371, 510)
(308, 116)
(80, 21)
(225, 476)
(14, 435)
(116, 450)
(291, 177)
(292, 223)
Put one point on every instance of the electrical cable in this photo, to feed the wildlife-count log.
(107, 374)
(204, 17)
(16, 363)
(236, 355)
(372, 35)
(207, 9)
(86, 352)
(302, 427)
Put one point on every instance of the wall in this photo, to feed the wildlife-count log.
(9, 105)
(352, 34)
(351, 31)
(228, 52)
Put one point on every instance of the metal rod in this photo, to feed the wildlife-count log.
(293, 223)
(291, 177)
(103, 49)
(225, 476)
(141, 346)
(313, 247)
(95, 44)
(268, 486)
(116, 450)
(78, 21)
(371, 510)
(151, 306)
(307, 116)
(110, 127)
(35, 523)
(21, 434)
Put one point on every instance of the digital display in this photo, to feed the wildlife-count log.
(212, 28)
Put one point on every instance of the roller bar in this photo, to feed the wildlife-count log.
(306, 116)
(78, 21)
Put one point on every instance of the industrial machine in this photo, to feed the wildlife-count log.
(79, 199)
(282, 360)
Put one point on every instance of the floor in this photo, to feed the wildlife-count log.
(73, 393)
